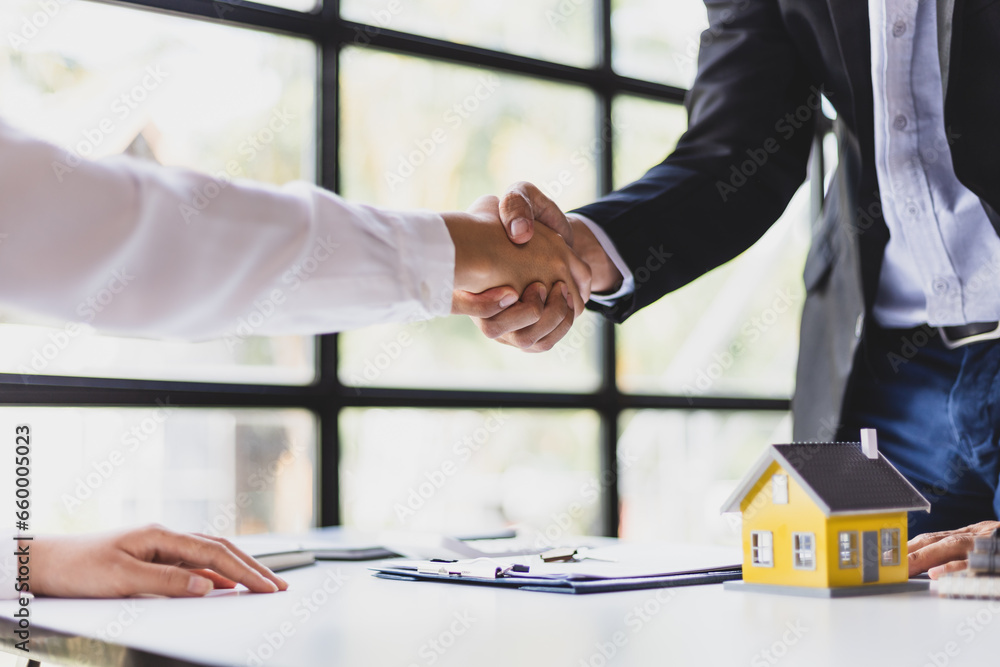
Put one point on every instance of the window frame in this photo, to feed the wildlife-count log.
(798, 562)
(779, 492)
(326, 396)
(893, 548)
(852, 550)
(757, 548)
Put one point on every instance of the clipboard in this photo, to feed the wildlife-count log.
(497, 574)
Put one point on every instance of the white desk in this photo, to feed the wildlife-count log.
(370, 622)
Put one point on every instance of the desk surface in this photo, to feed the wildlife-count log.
(338, 614)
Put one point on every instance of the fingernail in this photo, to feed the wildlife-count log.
(508, 300)
(274, 586)
(199, 586)
(519, 226)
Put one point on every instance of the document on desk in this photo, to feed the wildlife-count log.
(347, 545)
(600, 570)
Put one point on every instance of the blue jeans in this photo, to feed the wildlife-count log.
(937, 412)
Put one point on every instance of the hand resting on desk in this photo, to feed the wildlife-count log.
(150, 560)
(946, 551)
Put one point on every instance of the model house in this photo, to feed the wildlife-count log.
(825, 519)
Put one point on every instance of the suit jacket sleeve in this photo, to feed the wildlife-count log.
(752, 117)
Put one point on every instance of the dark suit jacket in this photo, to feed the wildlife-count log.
(752, 111)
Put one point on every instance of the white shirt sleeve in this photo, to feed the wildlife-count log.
(628, 279)
(134, 248)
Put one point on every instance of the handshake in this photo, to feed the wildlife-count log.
(525, 283)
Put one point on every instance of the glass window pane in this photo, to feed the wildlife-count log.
(732, 332)
(677, 468)
(461, 471)
(464, 132)
(657, 40)
(223, 472)
(559, 30)
(646, 132)
(102, 80)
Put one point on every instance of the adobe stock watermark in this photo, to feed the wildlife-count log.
(779, 648)
(437, 646)
(581, 161)
(910, 345)
(453, 118)
(268, 305)
(130, 612)
(248, 150)
(462, 452)
(967, 630)
(261, 479)
(786, 127)
(389, 352)
(101, 471)
(33, 24)
(752, 331)
(393, 350)
(686, 61)
(381, 20)
(563, 12)
(302, 611)
(88, 309)
(561, 524)
(634, 622)
(123, 106)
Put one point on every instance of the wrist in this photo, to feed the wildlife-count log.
(605, 276)
(470, 262)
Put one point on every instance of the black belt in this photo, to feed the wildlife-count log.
(969, 333)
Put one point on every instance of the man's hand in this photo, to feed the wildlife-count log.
(947, 551)
(537, 321)
(546, 284)
(150, 560)
(485, 258)
(524, 202)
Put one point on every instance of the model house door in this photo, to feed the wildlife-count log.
(869, 556)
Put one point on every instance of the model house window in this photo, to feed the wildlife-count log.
(890, 546)
(804, 551)
(762, 548)
(848, 541)
(779, 489)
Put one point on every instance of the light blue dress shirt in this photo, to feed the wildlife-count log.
(942, 263)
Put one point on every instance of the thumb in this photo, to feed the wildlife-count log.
(485, 304)
(522, 205)
(517, 215)
(166, 580)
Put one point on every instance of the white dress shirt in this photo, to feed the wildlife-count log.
(134, 248)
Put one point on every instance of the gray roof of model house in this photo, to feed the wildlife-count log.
(838, 477)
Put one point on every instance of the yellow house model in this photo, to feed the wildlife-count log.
(825, 519)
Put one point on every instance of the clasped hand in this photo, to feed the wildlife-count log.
(524, 284)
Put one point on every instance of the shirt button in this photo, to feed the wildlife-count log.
(900, 122)
(912, 210)
(898, 28)
(940, 286)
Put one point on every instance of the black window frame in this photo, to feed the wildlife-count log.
(326, 397)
